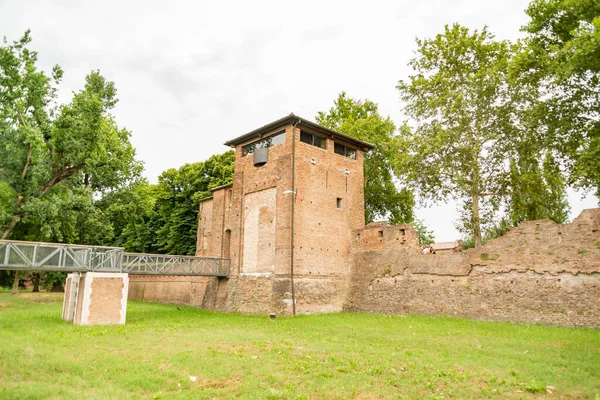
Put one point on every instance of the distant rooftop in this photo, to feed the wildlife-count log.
(292, 119)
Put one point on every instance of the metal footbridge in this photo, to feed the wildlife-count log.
(37, 256)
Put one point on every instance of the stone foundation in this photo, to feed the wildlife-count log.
(94, 298)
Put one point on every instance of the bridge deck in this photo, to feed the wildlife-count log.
(19, 255)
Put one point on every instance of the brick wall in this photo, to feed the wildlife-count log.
(188, 290)
(106, 300)
(99, 298)
(538, 272)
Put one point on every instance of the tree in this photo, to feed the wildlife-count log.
(54, 158)
(459, 97)
(537, 190)
(562, 58)
(178, 193)
(131, 213)
(45, 146)
(361, 120)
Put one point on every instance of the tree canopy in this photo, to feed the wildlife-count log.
(562, 58)
(55, 155)
(361, 120)
(459, 101)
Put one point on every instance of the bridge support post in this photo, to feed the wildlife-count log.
(96, 298)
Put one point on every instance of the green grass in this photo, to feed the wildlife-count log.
(335, 356)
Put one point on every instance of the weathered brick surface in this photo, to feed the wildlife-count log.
(168, 289)
(538, 272)
(79, 305)
(105, 301)
(66, 299)
(257, 211)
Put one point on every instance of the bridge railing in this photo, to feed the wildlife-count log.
(20, 255)
(161, 264)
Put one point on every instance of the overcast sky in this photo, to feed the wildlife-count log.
(191, 75)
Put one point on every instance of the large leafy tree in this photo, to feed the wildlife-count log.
(459, 99)
(163, 218)
(47, 148)
(361, 120)
(562, 59)
(54, 158)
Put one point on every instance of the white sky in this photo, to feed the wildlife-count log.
(192, 74)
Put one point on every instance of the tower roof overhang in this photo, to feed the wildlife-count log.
(295, 119)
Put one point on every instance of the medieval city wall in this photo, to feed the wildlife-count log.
(185, 290)
(539, 272)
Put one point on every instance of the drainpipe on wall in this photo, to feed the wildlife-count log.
(293, 213)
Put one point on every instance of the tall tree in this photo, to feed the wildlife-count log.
(460, 101)
(361, 120)
(53, 158)
(562, 58)
(46, 147)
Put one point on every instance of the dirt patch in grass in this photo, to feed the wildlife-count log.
(42, 297)
(3, 305)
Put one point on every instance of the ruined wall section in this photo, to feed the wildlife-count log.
(538, 272)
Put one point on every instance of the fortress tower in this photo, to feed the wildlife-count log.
(286, 221)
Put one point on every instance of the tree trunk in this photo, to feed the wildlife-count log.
(7, 229)
(35, 280)
(475, 221)
(15, 219)
(15, 288)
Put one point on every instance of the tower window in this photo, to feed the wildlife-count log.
(344, 151)
(273, 140)
(338, 202)
(314, 140)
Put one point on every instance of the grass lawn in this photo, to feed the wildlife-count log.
(163, 352)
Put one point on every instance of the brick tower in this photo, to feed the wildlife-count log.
(286, 221)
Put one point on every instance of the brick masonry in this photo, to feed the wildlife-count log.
(538, 272)
(97, 299)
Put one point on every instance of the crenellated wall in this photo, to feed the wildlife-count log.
(540, 271)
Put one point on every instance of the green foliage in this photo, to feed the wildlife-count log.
(178, 192)
(459, 97)
(562, 61)
(537, 191)
(426, 235)
(53, 280)
(54, 156)
(163, 218)
(6, 278)
(130, 212)
(361, 120)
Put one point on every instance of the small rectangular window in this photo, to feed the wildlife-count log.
(306, 137)
(338, 202)
(314, 140)
(344, 151)
(270, 141)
